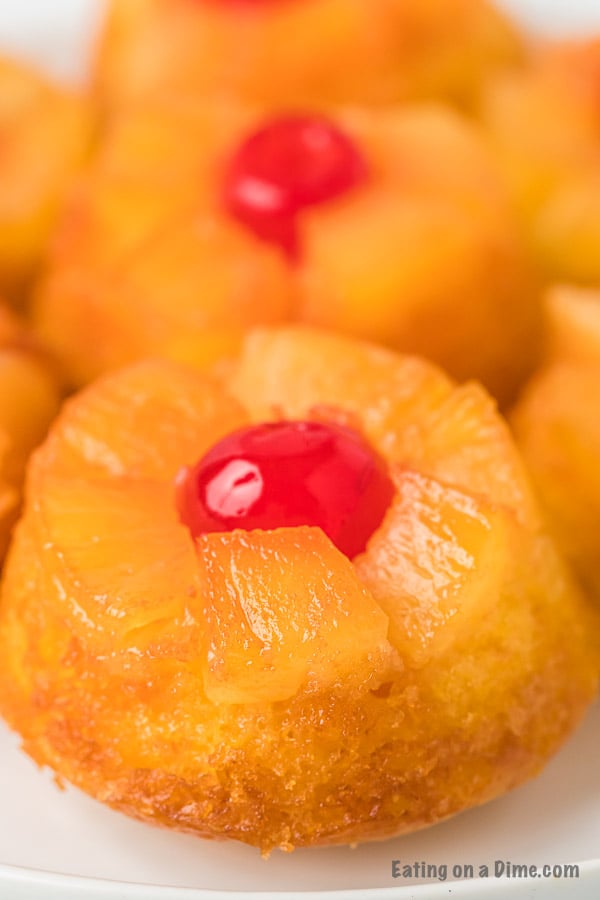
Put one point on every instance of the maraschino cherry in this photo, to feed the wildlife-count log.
(285, 474)
(291, 163)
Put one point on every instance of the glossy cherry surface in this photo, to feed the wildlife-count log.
(285, 474)
(291, 163)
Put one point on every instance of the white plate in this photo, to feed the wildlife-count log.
(553, 820)
(62, 846)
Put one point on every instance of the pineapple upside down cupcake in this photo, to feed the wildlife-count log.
(545, 125)
(311, 604)
(196, 223)
(44, 130)
(29, 400)
(557, 425)
(303, 52)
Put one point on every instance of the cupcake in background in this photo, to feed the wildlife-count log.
(557, 427)
(544, 125)
(29, 400)
(303, 52)
(196, 222)
(45, 131)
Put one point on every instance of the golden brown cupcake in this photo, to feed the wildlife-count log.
(44, 133)
(311, 605)
(195, 223)
(545, 126)
(303, 53)
(557, 426)
(29, 400)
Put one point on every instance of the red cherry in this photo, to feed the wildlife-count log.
(285, 474)
(291, 163)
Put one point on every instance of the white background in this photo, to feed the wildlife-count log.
(553, 819)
